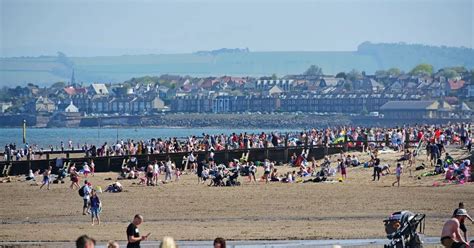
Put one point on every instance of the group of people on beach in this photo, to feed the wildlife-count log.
(433, 138)
(458, 133)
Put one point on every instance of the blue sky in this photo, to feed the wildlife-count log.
(116, 27)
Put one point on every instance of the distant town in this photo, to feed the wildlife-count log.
(421, 93)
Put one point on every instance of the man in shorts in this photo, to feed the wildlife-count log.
(267, 169)
(46, 177)
(450, 235)
(149, 175)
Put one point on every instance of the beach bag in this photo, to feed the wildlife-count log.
(81, 191)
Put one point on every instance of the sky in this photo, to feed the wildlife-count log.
(118, 27)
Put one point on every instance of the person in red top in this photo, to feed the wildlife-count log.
(420, 135)
(437, 133)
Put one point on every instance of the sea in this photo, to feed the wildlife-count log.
(46, 137)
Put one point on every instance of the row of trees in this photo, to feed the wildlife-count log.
(419, 70)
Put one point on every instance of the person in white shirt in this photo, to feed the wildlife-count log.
(267, 168)
(156, 172)
(168, 168)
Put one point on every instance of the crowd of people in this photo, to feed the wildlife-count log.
(434, 139)
(397, 137)
(304, 169)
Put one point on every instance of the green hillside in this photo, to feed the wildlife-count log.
(369, 57)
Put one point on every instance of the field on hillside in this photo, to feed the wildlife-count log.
(368, 57)
(121, 68)
(185, 210)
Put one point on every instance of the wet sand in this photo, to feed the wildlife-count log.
(185, 210)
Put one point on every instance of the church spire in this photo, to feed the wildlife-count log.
(73, 79)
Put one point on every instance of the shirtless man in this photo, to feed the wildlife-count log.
(47, 177)
(451, 236)
(149, 175)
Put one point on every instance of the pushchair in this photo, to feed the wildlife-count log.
(401, 230)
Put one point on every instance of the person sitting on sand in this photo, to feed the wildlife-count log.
(289, 178)
(355, 161)
(114, 188)
(205, 174)
(451, 235)
(385, 170)
(31, 176)
(274, 176)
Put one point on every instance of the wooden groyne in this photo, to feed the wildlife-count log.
(115, 163)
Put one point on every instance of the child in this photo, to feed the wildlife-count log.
(92, 167)
(398, 173)
(177, 174)
(86, 169)
(96, 207)
(342, 165)
(46, 177)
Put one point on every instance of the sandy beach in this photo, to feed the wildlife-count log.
(185, 210)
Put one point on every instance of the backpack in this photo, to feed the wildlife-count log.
(81, 191)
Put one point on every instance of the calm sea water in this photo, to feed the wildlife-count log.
(44, 137)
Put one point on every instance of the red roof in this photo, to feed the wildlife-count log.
(70, 90)
(456, 85)
(75, 91)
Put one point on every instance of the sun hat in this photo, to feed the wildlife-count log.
(462, 212)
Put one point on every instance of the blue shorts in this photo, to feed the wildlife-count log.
(95, 212)
(45, 179)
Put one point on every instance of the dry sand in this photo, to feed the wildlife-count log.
(187, 211)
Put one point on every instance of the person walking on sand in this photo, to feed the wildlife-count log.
(74, 178)
(86, 191)
(46, 178)
(377, 169)
(133, 234)
(92, 167)
(252, 172)
(450, 235)
(96, 207)
(398, 173)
